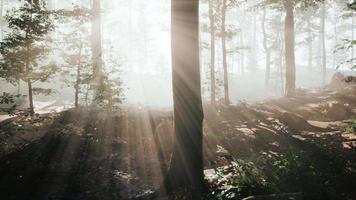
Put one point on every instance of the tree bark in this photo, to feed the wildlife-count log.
(289, 49)
(310, 45)
(352, 39)
(335, 40)
(186, 168)
(268, 52)
(281, 63)
(78, 80)
(323, 49)
(29, 82)
(1, 19)
(96, 46)
(224, 54)
(242, 53)
(212, 53)
(28, 67)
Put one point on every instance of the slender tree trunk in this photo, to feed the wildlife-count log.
(335, 41)
(252, 65)
(310, 45)
(28, 68)
(97, 46)
(352, 39)
(224, 54)
(289, 49)
(186, 169)
(323, 49)
(77, 83)
(212, 53)
(268, 52)
(242, 64)
(130, 35)
(254, 42)
(29, 82)
(1, 19)
(18, 86)
(281, 63)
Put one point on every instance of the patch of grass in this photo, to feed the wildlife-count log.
(352, 127)
(238, 180)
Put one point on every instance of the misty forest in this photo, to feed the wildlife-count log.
(177, 100)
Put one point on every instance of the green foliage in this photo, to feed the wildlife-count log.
(77, 70)
(352, 5)
(24, 49)
(345, 46)
(352, 127)
(238, 180)
(300, 4)
(317, 172)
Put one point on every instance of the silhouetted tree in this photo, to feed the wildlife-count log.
(212, 52)
(97, 48)
(186, 169)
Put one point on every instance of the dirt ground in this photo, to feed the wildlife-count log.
(305, 145)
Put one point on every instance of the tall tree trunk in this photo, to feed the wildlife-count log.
(18, 86)
(77, 83)
(323, 49)
(28, 68)
(186, 169)
(1, 19)
(96, 46)
(242, 52)
(78, 80)
(212, 53)
(268, 52)
(254, 41)
(310, 45)
(289, 49)
(352, 39)
(281, 63)
(29, 82)
(224, 54)
(335, 41)
(130, 35)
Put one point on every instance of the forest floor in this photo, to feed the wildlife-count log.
(304, 147)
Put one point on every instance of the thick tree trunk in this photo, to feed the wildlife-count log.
(224, 54)
(323, 49)
(212, 53)
(289, 49)
(96, 46)
(186, 169)
(268, 52)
